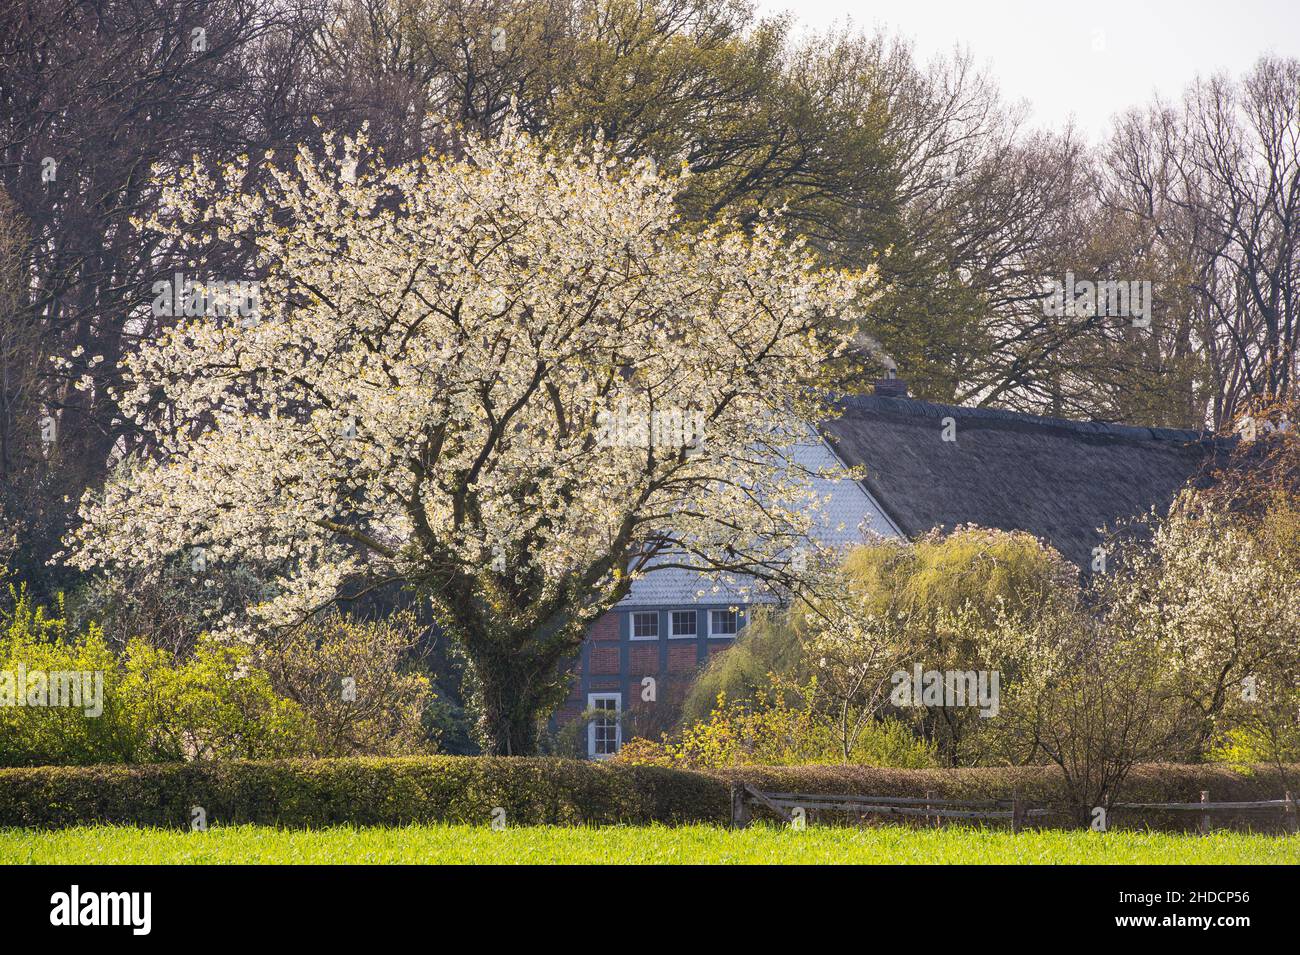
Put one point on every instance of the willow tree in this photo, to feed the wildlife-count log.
(507, 379)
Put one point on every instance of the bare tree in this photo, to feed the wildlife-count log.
(92, 96)
(1215, 187)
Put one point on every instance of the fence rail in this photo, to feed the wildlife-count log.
(744, 798)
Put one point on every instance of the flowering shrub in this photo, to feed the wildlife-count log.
(224, 700)
(138, 706)
(1215, 595)
(773, 732)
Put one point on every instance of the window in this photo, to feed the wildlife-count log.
(645, 626)
(724, 623)
(604, 734)
(683, 623)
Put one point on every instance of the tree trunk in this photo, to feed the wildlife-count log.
(515, 694)
(509, 731)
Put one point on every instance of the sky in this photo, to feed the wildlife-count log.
(1083, 60)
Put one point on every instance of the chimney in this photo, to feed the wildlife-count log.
(890, 388)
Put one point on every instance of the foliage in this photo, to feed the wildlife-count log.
(1260, 467)
(152, 708)
(1247, 507)
(360, 791)
(767, 645)
(166, 606)
(214, 705)
(35, 638)
(566, 739)
(893, 605)
(919, 171)
(354, 681)
(21, 359)
(1090, 698)
(889, 606)
(1188, 637)
(1184, 649)
(1216, 601)
(223, 700)
(984, 569)
(83, 90)
(1256, 740)
(772, 732)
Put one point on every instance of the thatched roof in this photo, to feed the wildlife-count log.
(1059, 480)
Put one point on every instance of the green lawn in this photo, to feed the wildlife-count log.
(652, 844)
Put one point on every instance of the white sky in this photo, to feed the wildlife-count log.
(1088, 60)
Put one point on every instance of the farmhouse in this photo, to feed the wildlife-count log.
(927, 466)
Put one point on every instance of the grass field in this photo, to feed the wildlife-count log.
(651, 844)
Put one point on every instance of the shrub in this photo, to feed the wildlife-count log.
(350, 679)
(768, 645)
(773, 732)
(1249, 743)
(1092, 701)
(886, 607)
(220, 700)
(35, 640)
(361, 791)
(893, 605)
(1215, 596)
(141, 705)
(212, 706)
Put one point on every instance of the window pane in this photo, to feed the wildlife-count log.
(645, 624)
(725, 622)
(684, 623)
(604, 724)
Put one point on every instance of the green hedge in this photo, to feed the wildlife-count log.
(398, 791)
(360, 791)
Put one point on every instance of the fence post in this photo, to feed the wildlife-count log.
(929, 819)
(1017, 813)
(1290, 811)
(739, 806)
(1205, 816)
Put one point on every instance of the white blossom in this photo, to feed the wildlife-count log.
(470, 318)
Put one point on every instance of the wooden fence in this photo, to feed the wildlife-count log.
(933, 809)
(1286, 805)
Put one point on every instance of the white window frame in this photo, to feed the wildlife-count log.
(591, 724)
(740, 623)
(683, 636)
(631, 631)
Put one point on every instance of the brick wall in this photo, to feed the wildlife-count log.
(644, 659)
(606, 628)
(603, 657)
(683, 658)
